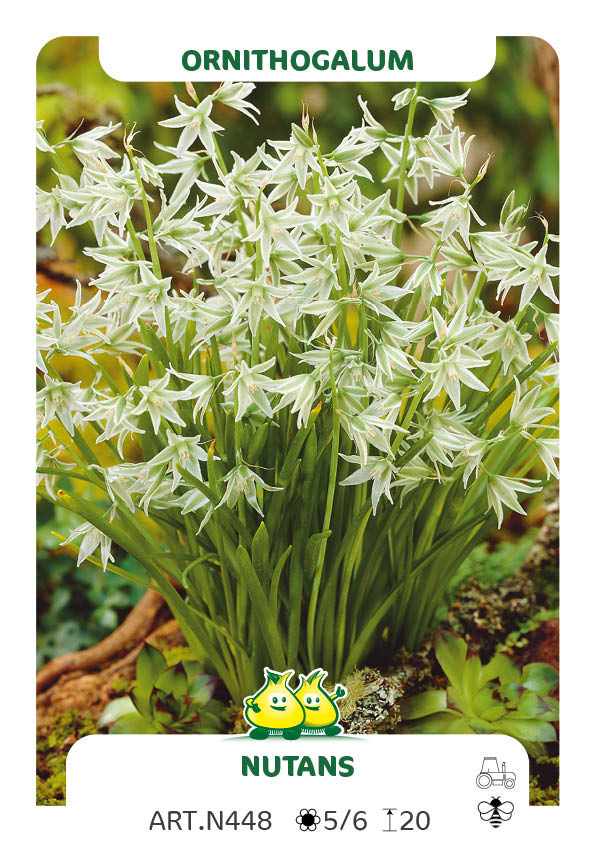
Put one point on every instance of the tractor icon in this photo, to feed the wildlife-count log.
(492, 775)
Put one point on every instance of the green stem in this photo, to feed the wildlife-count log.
(145, 201)
(403, 170)
(332, 483)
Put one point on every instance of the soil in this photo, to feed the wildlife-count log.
(89, 691)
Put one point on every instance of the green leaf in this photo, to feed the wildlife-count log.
(202, 688)
(174, 680)
(528, 729)
(257, 443)
(472, 675)
(424, 704)
(456, 700)
(149, 666)
(439, 723)
(133, 723)
(274, 591)
(542, 678)
(260, 554)
(157, 353)
(451, 652)
(141, 375)
(261, 608)
(114, 710)
(311, 552)
(502, 668)
(533, 706)
(483, 699)
(493, 713)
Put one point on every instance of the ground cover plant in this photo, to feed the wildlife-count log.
(166, 700)
(492, 698)
(327, 425)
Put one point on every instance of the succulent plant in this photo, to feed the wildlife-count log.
(495, 698)
(165, 700)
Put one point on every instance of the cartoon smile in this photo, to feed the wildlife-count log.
(312, 707)
(278, 707)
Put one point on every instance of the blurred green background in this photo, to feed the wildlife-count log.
(512, 112)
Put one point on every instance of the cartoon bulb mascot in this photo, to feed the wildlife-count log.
(322, 713)
(274, 709)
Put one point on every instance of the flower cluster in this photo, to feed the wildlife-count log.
(303, 339)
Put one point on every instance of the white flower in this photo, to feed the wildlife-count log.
(89, 148)
(319, 280)
(184, 452)
(200, 390)
(524, 413)
(453, 369)
(189, 165)
(60, 399)
(241, 480)
(233, 94)
(194, 122)
(380, 470)
(159, 402)
(458, 331)
(49, 209)
(49, 459)
(273, 228)
(372, 129)
(258, 297)
(116, 413)
(41, 140)
(378, 289)
(549, 452)
(92, 538)
(403, 98)
(443, 107)
(454, 216)
(333, 205)
(535, 274)
(301, 391)
(511, 344)
(248, 388)
(428, 277)
(551, 322)
(300, 156)
(151, 295)
(450, 161)
(503, 490)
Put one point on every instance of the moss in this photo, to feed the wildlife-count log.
(371, 706)
(120, 686)
(52, 748)
(544, 783)
(356, 688)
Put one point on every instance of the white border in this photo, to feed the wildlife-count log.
(567, 28)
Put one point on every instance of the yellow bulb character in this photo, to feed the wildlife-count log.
(322, 713)
(274, 709)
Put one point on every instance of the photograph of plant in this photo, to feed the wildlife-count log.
(293, 393)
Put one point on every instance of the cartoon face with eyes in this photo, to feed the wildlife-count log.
(321, 710)
(274, 707)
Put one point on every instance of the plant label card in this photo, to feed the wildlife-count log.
(297, 424)
(356, 787)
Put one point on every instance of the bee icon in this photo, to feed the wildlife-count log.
(495, 811)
